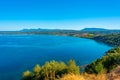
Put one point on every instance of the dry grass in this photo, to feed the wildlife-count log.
(113, 75)
(72, 77)
(95, 77)
(84, 77)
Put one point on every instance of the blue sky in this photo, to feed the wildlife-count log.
(59, 14)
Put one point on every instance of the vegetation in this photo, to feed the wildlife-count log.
(111, 39)
(51, 70)
(107, 63)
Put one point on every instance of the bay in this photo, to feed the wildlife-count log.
(22, 52)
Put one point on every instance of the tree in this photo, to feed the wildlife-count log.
(51, 70)
(99, 68)
(73, 68)
(37, 71)
(27, 75)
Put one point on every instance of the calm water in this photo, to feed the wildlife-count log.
(21, 52)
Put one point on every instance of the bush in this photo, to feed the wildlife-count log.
(51, 70)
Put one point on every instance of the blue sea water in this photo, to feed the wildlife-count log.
(22, 52)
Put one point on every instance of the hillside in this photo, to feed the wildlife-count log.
(111, 39)
(105, 64)
(115, 74)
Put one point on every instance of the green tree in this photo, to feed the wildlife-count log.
(37, 71)
(61, 69)
(27, 75)
(99, 68)
(51, 70)
(45, 70)
(73, 68)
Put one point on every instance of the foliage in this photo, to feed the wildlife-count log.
(51, 70)
(111, 39)
(107, 62)
(27, 75)
(72, 68)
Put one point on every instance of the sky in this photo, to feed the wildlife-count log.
(59, 14)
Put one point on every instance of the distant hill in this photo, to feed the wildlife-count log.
(85, 29)
(100, 31)
(39, 29)
(94, 29)
(46, 30)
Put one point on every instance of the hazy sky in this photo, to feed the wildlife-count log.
(59, 14)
